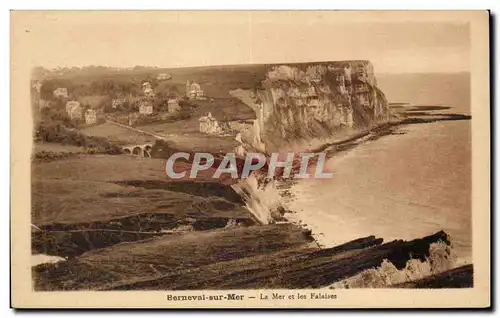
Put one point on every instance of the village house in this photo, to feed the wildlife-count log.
(117, 103)
(147, 89)
(70, 104)
(194, 91)
(210, 125)
(163, 77)
(74, 110)
(173, 105)
(145, 107)
(61, 92)
(90, 116)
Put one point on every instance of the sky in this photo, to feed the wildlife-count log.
(179, 39)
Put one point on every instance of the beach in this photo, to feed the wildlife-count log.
(414, 181)
(396, 187)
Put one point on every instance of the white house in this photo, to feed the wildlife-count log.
(70, 104)
(145, 108)
(147, 89)
(61, 92)
(194, 91)
(90, 116)
(116, 103)
(210, 125)
(76, 113)
(73, 109)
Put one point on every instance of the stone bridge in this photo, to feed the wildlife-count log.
(143, 150)
(138, 150)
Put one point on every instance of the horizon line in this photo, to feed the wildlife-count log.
(241, 65)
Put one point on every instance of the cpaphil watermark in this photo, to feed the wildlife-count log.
(289, 165)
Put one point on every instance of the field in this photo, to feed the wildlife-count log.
(57, 148)
(117, 134)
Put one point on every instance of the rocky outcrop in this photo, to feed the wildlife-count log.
(279, 256)
(314, 100)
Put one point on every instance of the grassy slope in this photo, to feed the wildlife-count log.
(117, 134)
(185, 134)
(95, 201)
(57, 148)
(84, 189)
(149, 259)
(271, 256)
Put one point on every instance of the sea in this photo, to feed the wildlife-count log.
(400, 186)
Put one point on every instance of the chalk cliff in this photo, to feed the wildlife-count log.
(314, 100)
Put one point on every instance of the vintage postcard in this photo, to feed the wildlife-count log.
(250, 159)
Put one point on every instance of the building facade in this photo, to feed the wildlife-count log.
(148, 90)
(210, 125)
(146, 108)
(194, 91)
(117, 103)
(74, 109)
(61, 92)
(90, 116)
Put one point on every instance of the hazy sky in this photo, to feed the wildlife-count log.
(184, 39)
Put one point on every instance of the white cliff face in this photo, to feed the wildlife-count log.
(300, 107)
(306, 101)
(261, 199)
(300, 102)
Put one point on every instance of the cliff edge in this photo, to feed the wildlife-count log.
(314, 100)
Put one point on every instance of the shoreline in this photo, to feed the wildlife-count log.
(335, 148)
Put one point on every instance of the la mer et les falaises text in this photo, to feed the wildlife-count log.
(262, 296)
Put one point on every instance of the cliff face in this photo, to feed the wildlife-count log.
(304, 101)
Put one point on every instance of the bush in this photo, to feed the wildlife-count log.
(57, 132)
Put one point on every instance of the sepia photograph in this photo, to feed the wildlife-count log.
(250, 159)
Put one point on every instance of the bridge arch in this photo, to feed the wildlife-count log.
(138, 150)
